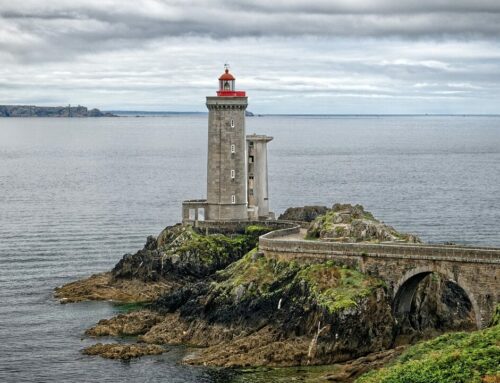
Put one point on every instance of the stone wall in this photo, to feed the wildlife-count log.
(231, 227)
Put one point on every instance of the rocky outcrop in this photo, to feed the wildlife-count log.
(348, 223)
(218, 292)
(303, 214)
(124, 351)
(179, 255)
(268, 312)
(131, 324)
(181, 252)
(50, 111)
(102, 287)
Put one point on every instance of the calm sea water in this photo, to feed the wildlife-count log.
(76, 194)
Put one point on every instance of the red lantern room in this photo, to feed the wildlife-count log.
(226, 85)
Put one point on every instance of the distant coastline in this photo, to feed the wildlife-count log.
(51, 111)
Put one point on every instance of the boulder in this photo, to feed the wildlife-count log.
(304, 214)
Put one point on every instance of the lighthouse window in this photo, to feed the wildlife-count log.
(233, 199)
(226, 85)
(232, 123)
(232, 173)
(233, 148)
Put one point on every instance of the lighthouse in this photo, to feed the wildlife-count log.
(226, 169)
(236, 163)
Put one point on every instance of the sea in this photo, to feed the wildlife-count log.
(77, 194)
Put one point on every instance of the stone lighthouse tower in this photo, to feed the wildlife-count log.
(236, 167)
(226, 168)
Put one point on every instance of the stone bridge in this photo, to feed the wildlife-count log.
(475, 269)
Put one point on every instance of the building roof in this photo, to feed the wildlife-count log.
(226, 76)
(258, 137)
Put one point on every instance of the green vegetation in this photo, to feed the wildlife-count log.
(337, 288)
(129, 307)
(216, 246)
(451, 358)
(330, 286)
(257, 230)
(339, 230)
(191, 251)
(321, 223)
(257, 273)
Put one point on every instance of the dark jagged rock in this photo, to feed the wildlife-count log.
(304, 214)
(277, 310)
(134, 323)
(183, 252)
(438, 306)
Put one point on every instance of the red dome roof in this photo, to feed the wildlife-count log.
(226, 76)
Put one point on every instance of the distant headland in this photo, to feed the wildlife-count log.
(51, 111)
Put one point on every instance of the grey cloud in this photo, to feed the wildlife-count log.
(295, 56)
(64, 28)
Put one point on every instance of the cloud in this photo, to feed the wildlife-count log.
(74, 26)
(323, 56)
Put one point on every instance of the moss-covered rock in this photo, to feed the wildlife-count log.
(337, 288)
(181, 251)
(451, 358)
(327, 312)
(348, 223)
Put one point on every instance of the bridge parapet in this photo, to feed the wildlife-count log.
(275, 242)
(402, 266)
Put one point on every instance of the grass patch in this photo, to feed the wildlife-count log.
(257, 230)
(257, 272)
(217, 247)
(451, 358)
(337, 288)
(329, 285)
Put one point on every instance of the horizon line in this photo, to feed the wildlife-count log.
(255, 114)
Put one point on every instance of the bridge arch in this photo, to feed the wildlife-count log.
(406, 287)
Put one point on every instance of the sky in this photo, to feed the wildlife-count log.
(291, 56)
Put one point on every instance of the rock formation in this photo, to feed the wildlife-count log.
(123, 351)
(218, 292)
(304, 214)
(348, 223)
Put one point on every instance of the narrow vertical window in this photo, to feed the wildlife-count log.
(232, 123)
(233, 148)
(232, 173)
(233, 199)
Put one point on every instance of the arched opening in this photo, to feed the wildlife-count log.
(427, 303)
